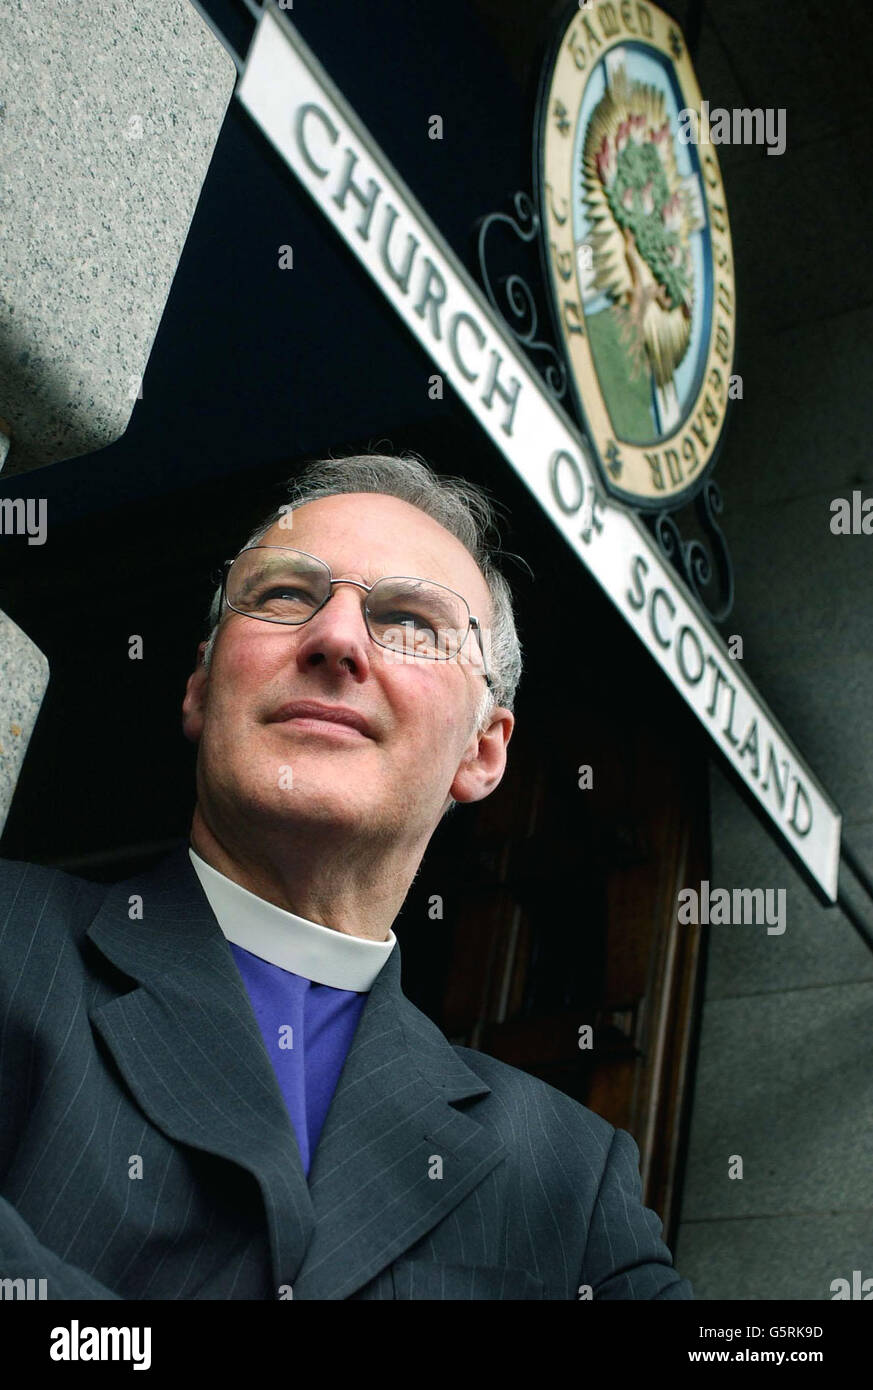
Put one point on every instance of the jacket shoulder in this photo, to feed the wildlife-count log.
(580, 1175)
(38, 898)
(528, 1096)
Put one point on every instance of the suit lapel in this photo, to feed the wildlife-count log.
(394, 1157)
(188, 1045)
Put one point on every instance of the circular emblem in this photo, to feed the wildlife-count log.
(637, 248)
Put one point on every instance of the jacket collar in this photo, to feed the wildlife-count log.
(394, 1157)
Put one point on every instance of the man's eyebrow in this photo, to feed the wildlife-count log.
(408, 588)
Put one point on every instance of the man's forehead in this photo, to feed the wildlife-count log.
(372, 534)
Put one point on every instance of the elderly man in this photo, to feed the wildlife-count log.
(213, 1086)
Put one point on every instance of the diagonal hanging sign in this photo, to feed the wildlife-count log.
(294, 102)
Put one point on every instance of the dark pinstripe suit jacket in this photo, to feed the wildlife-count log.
(145, 1149)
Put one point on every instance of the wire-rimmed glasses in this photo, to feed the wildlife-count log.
(410, 617)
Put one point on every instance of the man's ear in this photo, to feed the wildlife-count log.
(485, 761)
(194, 703)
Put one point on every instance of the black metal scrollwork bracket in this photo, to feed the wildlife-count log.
(520, 312)
(709, 573)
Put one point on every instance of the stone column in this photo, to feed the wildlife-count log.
(24, 674)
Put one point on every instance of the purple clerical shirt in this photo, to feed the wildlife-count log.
(307, 1031)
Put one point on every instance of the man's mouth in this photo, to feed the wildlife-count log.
(312, 716)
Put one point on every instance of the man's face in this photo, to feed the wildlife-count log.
(420, 746)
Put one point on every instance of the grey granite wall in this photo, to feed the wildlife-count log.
(110, 114)
(23, 679)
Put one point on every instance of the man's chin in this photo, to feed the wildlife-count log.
(303, 804)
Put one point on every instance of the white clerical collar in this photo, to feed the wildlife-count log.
(320, 954)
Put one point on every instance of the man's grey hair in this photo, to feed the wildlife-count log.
(462, 507)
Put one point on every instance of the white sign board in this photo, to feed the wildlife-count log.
(293, 101)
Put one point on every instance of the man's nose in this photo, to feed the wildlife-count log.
(337, 636)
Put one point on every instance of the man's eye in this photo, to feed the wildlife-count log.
(283, 594)
(402, 617)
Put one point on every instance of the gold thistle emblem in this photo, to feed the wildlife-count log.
(643, 216)
(637, 250)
